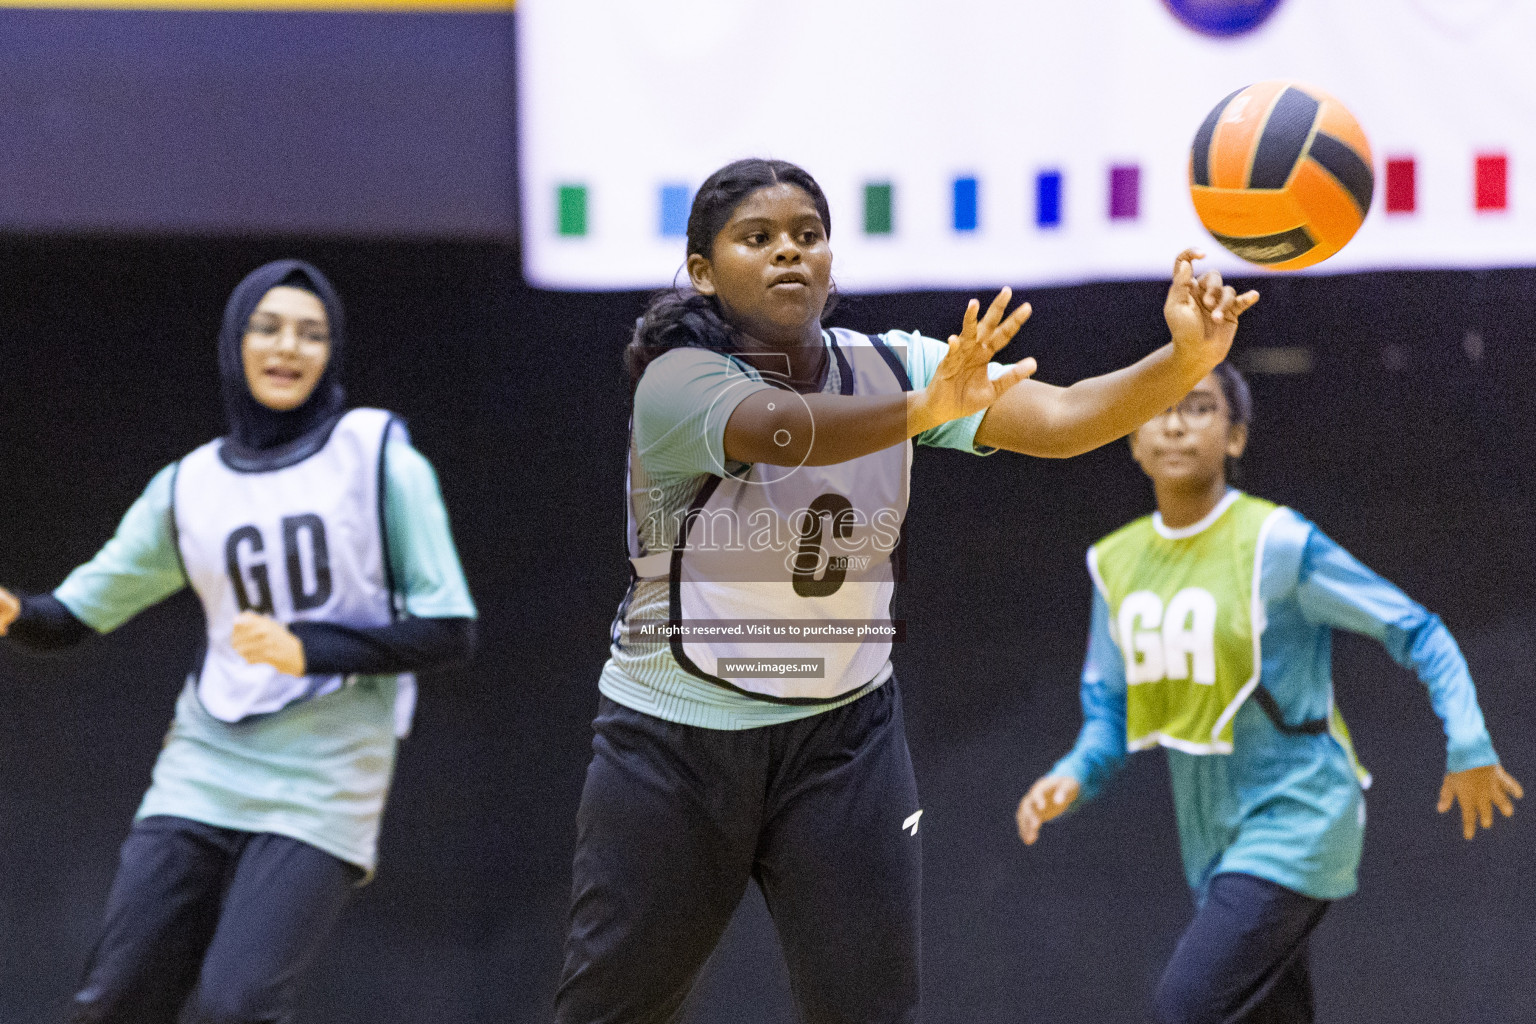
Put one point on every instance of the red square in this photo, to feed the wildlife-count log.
(1400, 190)
(1492, 181)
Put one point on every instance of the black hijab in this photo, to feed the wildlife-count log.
(261, 438)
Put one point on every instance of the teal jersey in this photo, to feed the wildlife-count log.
(317, 770)
(682, 404)
(1286, 807)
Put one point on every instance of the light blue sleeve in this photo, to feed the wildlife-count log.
(1100, 748)
(1334, 589)
(138, 567)
(923, 355)
(422, 556)
(682, 404)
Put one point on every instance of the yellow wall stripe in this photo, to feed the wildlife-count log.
(268, 5)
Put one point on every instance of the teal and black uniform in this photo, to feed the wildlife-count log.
(702, 780)
(264, 809)
(318, 770)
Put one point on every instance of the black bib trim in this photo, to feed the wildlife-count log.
(675, 576)
(1266, 702)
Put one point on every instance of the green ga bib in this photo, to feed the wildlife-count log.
(1186, 614)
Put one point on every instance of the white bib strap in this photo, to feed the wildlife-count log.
(652, 566)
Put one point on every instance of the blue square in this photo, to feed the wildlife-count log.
(965, 204)
(674, 210)
(1048, 199)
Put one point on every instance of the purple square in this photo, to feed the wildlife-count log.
(1124, 191)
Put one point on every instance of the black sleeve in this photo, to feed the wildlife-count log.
(410, 645)
(44, 624)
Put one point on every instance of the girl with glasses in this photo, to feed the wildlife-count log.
(1210, 637)
(316, 538)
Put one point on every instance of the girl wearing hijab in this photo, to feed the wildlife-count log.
(317, 540)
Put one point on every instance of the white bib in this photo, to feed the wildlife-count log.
(304, 542)
(805, 548)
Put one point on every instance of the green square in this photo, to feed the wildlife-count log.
(877, 208)
(573, 210)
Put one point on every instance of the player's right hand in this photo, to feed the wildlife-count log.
(1202, 312)
(10, 607)
(961, 384)
(1048, 798)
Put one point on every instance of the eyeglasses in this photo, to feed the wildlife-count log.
(266, 331)
(1196, 410)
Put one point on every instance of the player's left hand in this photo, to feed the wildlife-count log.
(262, 640)
(1202, 313)
(1047, 799)
(1479, 790)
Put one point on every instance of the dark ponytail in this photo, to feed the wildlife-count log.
(1235, 390)
(681, 317)
(1239, 408)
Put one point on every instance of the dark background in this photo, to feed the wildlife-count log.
(348, 124)
(1408, 442)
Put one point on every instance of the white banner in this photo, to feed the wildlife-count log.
(937, 130)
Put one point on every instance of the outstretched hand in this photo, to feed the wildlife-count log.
(1048, 798)
(961, 385)
(262, 640)
(1479, 791)
(10, 607)
(1202, 314)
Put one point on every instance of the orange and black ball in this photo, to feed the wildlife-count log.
(1281, 175)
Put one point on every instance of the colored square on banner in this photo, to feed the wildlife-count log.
(1402, 196)
(879, 215)
(571, 202)
(1492, 181)
(674, 210)
(965, 204)
(1124, 192)
(1048, 199)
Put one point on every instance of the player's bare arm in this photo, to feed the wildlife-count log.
(1055, 422)
(823, 430)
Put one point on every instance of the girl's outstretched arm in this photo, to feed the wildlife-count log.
(137, 568)
(783, 429)
(1054, 422)
(1334, 588)
(41, 623)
